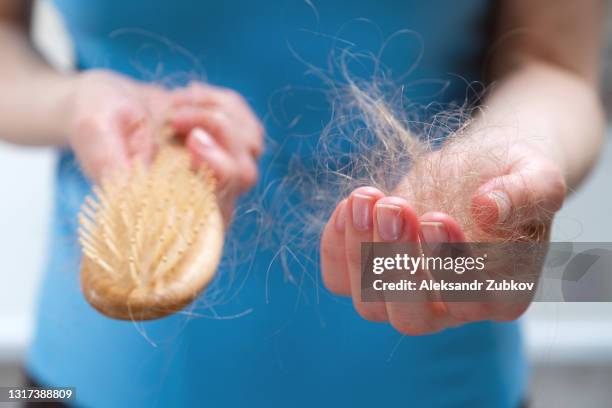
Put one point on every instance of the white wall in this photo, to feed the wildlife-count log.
(578, 331)
(25, 205)
(25, 182)
(556, 332)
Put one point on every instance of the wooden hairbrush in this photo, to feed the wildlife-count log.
(152, 238)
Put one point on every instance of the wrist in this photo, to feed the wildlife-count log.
(504, 137)
(61, 106)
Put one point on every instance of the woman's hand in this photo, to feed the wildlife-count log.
(516, 194)
(223, 133)
(114, 119)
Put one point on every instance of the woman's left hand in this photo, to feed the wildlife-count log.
(522, 190)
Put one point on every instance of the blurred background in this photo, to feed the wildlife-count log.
(570, 344)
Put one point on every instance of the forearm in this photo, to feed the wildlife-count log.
(33, 101)
(552, 108)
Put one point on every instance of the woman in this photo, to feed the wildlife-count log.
(313, 351)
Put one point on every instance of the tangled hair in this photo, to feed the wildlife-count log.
(377, 137)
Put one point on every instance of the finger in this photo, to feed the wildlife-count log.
(396, 221)
(206, 152)
(530, 194)
(198, 95)
(442, 228)
(391, 224)
(359, 228)
(213, 121)
(238, 140)
(206, 95)
(216, 125)
(333, 260)
(439, 228)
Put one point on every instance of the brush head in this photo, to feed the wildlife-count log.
(151, 239)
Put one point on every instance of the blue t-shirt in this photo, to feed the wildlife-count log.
(265, 334)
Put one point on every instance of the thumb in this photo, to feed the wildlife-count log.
(531, 193)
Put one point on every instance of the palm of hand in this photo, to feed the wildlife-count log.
(488, 190)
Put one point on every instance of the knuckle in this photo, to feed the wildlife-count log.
(259, 129)
(333, 284)
(224, 176)
(257, 150)
(248, 179)
(233, 96)
(511, 312)
(472, 312)
(221, 119)
(372, 312)
(367, 190)
(558, 191)
(248, 176)
(216, 123)
(415, 327)
(256, 142)
(259, 135)
(196, 86)
(331, 251)
(557, 186)
(328, 281)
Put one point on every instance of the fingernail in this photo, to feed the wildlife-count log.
(340, 221)
(362, 211)
(389, 221)
(433, 232)
(503, 205)
(202, 138)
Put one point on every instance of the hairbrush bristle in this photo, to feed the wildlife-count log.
(151, 238)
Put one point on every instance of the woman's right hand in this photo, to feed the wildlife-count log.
(114, 119)
(223, 133)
